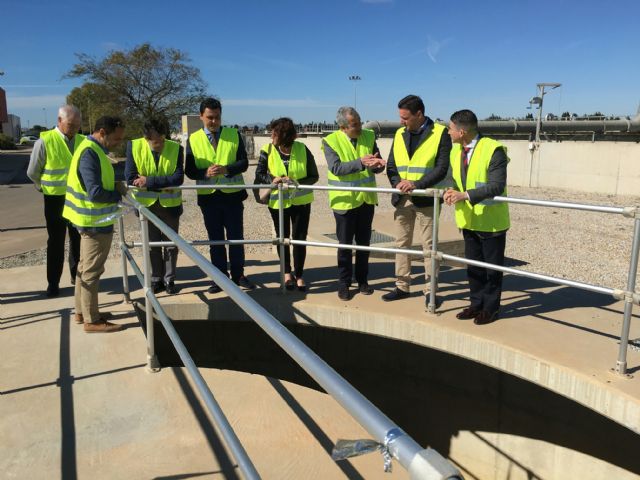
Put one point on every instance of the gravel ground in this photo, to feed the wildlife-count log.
(584, 246)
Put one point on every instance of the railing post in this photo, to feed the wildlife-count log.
(435, 263)
(281, 235)
(123, 257)
(621, 363)
(153, 365)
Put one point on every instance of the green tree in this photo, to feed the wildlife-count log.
(137, 84)
(493, 116)
(94, 101)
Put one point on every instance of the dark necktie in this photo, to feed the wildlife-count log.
(465, 158)
(214, 142)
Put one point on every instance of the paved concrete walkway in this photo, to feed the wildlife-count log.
(82, 405)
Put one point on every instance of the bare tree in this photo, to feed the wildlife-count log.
(142, 82)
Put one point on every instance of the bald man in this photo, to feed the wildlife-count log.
(48, 169)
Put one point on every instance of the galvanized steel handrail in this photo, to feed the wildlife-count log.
(629, 295)
(408, 452)
(421, 463)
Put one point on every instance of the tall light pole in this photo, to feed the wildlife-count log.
(355, 79)
(45, 116)
(538, 100)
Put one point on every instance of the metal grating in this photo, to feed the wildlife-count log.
(376, 237)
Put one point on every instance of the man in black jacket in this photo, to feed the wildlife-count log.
(419, 159)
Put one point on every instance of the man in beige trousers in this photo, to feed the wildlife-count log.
(419, 159)
(90, 204)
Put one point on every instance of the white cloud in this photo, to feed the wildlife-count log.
(273, 102)
(434, 47)
(36, 101)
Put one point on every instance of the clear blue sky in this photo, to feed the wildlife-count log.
(266, 59)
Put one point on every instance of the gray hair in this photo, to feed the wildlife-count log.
(68, 111)
(341, 116)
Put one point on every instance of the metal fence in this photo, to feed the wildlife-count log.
(391, 441)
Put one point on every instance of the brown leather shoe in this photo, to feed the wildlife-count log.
(102, 327)
(79, 318)
(468, 313)
(485, 317)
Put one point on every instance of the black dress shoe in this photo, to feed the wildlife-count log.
(289, 284)
(52, 291)
(157, 287)
(468, 313)
(396, 294)
(171, 289)
(245, 283)
(214, 288)
(485, 317)
(343, 293)
(365, 289)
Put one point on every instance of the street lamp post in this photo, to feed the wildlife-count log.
(355, 79)
(45, 116)
(538, 100)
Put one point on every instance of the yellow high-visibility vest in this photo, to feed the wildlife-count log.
(297, 171)
(78, 208)
(488, 215)
(225, 154)
(146, 165)
(340, 143)
(56, 167)
(423, 159)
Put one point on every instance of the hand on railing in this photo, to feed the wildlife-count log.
(406, 186)
(452, 196)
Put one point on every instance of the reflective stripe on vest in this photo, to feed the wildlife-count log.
(341, 144)
(423, 159)
(146, 165)
(205, 156)
(297, 171)
(78, 208)
(58, 159)
(488, 215)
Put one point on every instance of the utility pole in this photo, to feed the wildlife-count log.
(538, 100)
(355, 79)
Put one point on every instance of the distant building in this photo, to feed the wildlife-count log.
(4, 115)
(10, 124)
(12, 127)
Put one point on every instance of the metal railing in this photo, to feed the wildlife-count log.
(420, 463)
(393, 442)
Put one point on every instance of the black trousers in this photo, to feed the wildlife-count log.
(222, 218)
(163, 259)
(354, 223)
(296, 226)
(485, 284)
(57, 227)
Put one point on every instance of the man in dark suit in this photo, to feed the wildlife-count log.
(479, 170)
(215, 155)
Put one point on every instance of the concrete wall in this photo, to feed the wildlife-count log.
(611, 168)
(491, 424)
